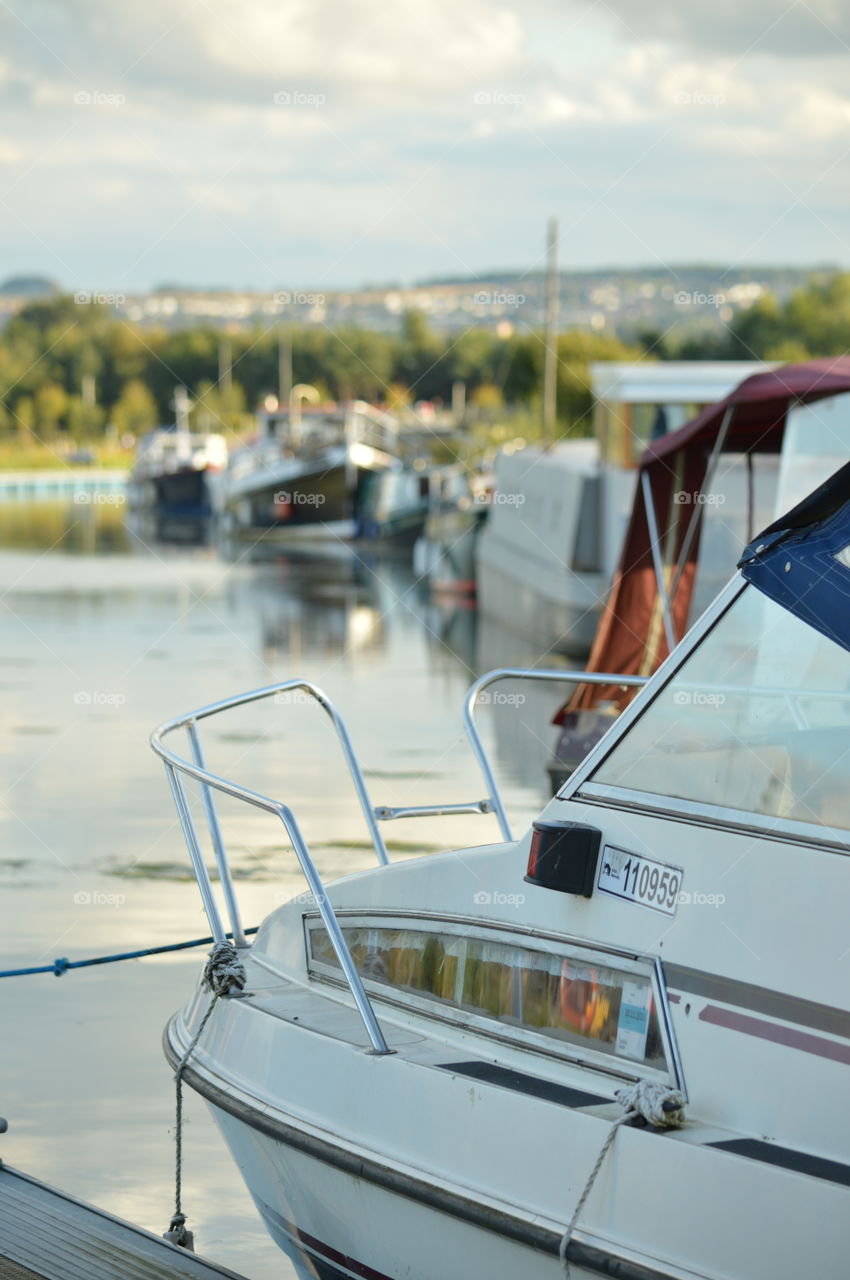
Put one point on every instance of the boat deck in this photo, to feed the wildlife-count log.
(48, 1235)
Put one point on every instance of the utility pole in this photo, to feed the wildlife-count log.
(225, 364)
(550, 363)
(284, 365)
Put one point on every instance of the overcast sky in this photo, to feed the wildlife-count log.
(325, 143)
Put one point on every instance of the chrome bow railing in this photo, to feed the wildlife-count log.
(474, 698)
(178, 768)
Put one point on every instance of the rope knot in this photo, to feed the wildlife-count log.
(656, 1104)
(224, 971)
(61, 965)
(178, 1233)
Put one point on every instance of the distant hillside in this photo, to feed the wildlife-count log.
(29, 287)
(695, 302)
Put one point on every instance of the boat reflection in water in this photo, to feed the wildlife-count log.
(313, 607)
(157, 527)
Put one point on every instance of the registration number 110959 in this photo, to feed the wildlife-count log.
(641, 880)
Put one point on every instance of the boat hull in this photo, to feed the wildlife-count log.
(562, 621)
(307, 1203)
(476, 1181)
(547, 554)
(332, 500)
(182, 493)
(296, 501)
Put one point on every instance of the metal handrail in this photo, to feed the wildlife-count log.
(494, 799)
(176, 766)
(274, 690)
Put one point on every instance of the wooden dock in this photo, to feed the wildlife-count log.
(48, 1235)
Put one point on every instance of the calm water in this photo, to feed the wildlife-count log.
(106, 632)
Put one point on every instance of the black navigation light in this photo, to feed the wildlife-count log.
(563, 856)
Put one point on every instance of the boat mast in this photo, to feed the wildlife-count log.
(550, 363)
(181, 420)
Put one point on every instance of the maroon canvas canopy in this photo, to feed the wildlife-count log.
(663, 532)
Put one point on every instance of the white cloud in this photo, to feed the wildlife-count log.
(10, 153)
(426, 137)
(368, 48)
(802, 28)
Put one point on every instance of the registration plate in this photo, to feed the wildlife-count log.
(635, 878)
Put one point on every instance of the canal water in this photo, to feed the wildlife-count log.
(108, 629)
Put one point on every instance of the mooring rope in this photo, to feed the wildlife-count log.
(657, 1105)
(223, 973)
(62, 964)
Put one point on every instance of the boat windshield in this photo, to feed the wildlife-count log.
(757, 719)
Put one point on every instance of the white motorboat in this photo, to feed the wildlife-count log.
(548, 552)
(421, 1076)
(174, 468)
(172, 472)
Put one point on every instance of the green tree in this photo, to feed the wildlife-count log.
(577, 350)
(85, 421)
(24, 415)
(51, 407)
(219, 408)
(420, 363)
(135, 410)
(814, 321)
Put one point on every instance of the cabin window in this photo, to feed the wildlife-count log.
(576, 1001)
(756, 720)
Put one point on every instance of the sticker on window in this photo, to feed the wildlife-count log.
(633, 1023)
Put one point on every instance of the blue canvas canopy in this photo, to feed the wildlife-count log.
(802, 560)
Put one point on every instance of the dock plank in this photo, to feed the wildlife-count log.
(47, 1234)
(14, 1271)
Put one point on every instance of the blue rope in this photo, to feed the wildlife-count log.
(63, 964)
